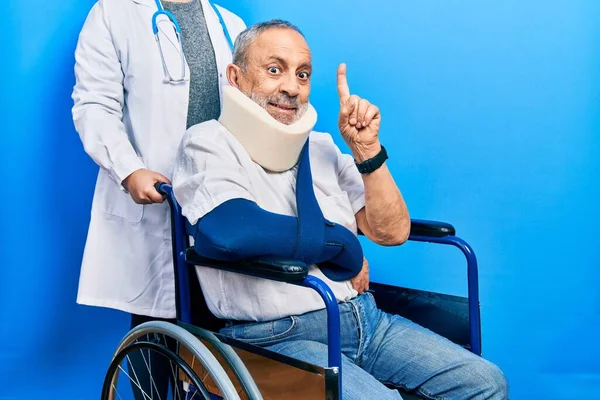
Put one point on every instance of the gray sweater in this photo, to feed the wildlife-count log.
(199, 53)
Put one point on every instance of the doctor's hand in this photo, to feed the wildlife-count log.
(360, 282)
(140, 185)
(358, 122)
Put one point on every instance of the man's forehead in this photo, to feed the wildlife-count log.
(282, 44)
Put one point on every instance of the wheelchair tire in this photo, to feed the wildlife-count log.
(235, 364)
(153, 336)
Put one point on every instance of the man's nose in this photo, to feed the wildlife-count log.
(290, 85)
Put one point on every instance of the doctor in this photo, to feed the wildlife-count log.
(145, 71)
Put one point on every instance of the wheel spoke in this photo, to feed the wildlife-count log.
(176, 391)
(188, 374)
(149, 367)
(174, 374)
(136, 382)
(194, 394)
(117, 392)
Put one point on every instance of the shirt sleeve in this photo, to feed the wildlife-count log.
(207, 172)
(98, 97)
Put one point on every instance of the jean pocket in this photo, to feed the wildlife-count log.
(370, 294)
(266, 333)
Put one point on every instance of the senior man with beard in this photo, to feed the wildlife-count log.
(249, 183)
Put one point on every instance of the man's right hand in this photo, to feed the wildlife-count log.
(140, 185)
(360, 282)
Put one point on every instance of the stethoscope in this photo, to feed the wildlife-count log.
(161, 11)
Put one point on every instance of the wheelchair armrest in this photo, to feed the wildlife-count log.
(426, 228)
(422, 227)
(277, 269)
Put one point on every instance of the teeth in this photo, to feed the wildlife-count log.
(282, 107)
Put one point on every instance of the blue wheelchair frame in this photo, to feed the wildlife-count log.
(421, 231)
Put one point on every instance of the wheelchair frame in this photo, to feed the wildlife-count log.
(184, 258)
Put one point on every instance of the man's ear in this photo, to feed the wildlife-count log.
(233, 75)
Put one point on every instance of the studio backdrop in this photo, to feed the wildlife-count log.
(490, 115)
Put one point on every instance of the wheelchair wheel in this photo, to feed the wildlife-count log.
(148, 365)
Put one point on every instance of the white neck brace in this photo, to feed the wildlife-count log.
(271, 144)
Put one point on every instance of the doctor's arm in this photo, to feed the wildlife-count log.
(384, 218)
(98, 98)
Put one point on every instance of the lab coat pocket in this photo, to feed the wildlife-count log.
(115, 202)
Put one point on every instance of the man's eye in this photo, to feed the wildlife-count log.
(303, 75)
(273, 70)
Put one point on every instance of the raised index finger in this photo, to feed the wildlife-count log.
(342, 83)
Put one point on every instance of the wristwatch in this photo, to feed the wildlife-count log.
(370, 165)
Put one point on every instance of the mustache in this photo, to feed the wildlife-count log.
(284, 100)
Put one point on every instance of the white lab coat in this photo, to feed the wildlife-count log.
(128, 118)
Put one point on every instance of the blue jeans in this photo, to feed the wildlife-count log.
(381, 350)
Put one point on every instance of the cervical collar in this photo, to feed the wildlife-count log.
(271, 144)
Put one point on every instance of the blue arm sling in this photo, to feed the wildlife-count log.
(239, 229)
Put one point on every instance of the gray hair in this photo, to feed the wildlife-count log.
(249, 35)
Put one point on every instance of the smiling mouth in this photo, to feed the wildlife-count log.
(283, 107)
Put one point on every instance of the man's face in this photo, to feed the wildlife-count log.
(278, 72)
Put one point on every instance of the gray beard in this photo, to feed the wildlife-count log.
(264, 101)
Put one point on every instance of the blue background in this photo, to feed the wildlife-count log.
(490, 115)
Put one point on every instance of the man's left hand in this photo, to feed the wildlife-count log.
(358, 122)
(360, 282)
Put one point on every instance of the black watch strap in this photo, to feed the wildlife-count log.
(370, 165)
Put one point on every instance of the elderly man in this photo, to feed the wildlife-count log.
(236, 207)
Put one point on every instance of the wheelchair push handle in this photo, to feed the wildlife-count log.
(160, 188)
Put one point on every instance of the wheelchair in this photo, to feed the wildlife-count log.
(202, 364)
